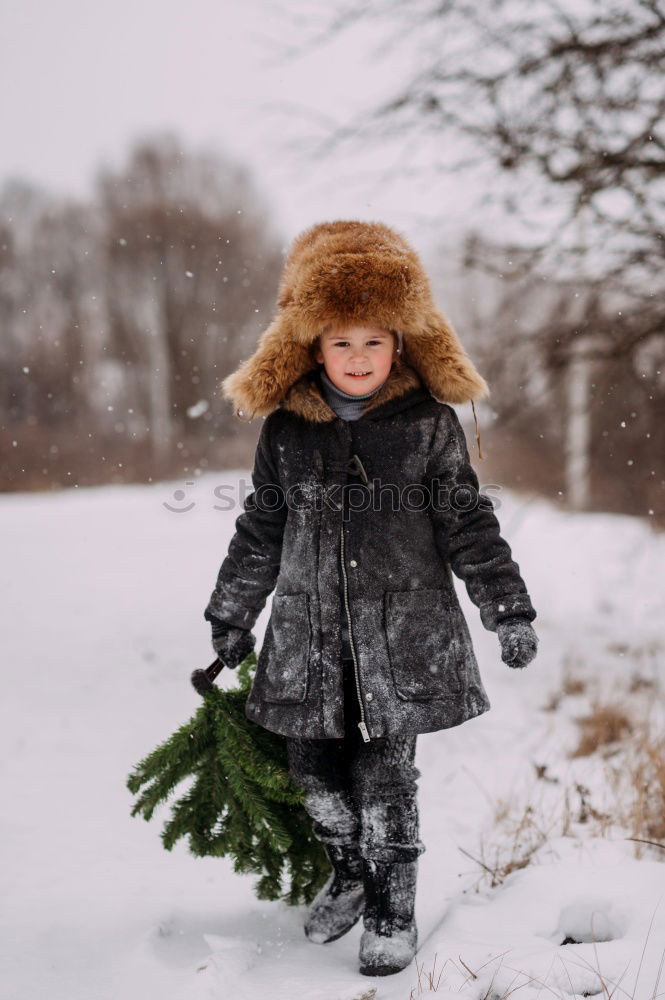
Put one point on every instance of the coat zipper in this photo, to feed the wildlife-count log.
(362, 726)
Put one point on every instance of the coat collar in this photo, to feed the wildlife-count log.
(403, 388)
(305, 398)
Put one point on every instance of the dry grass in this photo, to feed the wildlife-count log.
(604, 725)
(640, 683)
(571, 686)
(553, 702)
(627, 760)
(524, 830)
(524, 827)
(605, 986)
(428, 982)
(621, 753)
(638, 781)
(574, 685)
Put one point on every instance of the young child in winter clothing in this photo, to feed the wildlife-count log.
(364, 503)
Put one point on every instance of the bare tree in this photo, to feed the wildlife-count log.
(193, 266)
(119, 317)
(558, 106)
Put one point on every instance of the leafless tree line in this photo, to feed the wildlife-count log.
(120, 315)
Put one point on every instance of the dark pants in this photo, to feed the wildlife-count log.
(360, 793)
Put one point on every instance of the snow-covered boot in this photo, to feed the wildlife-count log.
(339, 904)
(390, 938)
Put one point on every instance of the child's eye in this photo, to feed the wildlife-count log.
(345, 343)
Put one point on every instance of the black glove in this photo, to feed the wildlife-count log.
(518, 641)
(231, 644)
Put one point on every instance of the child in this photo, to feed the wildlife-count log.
(364, 501)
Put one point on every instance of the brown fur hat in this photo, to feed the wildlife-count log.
(342, 273)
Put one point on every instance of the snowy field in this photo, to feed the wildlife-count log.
(103, 592)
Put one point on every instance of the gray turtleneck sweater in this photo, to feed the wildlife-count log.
(345, 405)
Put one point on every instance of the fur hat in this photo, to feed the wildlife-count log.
(343, 273)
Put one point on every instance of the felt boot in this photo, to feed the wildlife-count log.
(390, 937)
(339, 904)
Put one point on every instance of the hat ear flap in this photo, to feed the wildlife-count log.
(434, 349)
(260, 383)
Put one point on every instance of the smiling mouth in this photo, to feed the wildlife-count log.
(358, 374)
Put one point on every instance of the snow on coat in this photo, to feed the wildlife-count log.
(414, 516)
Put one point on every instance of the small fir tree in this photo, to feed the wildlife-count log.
(240, 801)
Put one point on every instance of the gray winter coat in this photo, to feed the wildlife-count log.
(397, 539)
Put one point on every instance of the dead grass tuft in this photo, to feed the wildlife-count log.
(640, 683)
(639, 788)
(574, 685)
(525, 828)
(604, 725)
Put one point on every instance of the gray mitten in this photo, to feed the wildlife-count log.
(231, 644)
(519, 641)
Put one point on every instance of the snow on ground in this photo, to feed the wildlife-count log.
(103, 594)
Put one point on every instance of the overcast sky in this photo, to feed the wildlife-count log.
(79, 81)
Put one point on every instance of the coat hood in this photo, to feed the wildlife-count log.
(351, 272)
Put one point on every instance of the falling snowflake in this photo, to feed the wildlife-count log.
(198, 409)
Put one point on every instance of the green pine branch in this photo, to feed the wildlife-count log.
(240, 802)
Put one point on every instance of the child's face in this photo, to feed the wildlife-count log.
(369, 350)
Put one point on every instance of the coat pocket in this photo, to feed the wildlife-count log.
(282, 667)
(423, 643)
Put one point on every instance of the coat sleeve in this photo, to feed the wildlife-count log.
(250, 569)
(467, 532)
